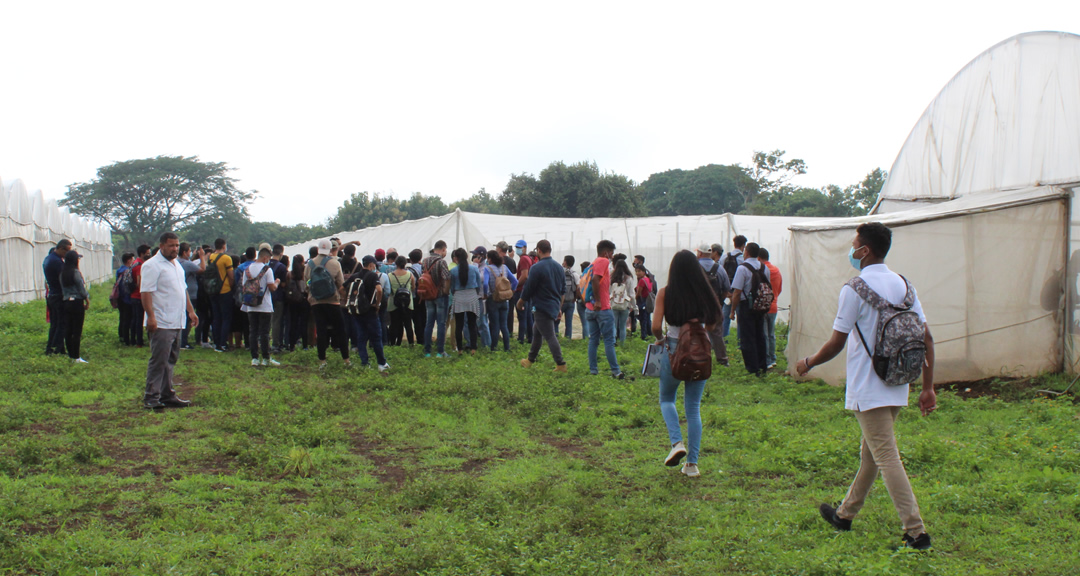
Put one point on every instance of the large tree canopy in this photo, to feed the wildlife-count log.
(141, 199)
(575, 191)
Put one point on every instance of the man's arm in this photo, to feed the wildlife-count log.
(192, 316)
(830, 350)
(928, 398)
(148, 307)
(736, 295)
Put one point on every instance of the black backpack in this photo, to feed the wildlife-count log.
(402, 296)
(357, 302)
(720, 286)
(731, 265)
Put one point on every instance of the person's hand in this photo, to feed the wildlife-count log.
(802, 367)
(927, 402)
(732, 314)
(151, 324)
(194, 319)
(520, 305)
(86, 304)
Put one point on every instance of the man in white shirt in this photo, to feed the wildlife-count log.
(165, 300)
(875, 404)
(261, 314)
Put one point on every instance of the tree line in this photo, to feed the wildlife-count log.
(140, 199)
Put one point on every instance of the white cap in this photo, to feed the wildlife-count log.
(324, 247)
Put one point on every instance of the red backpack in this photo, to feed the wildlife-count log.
(692, 359)
(426, 289)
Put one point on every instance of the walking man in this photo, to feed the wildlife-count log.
(165, 299)
(777, 283)
(598, 315)
(751, 324)
(438, 308)
(709, 258)
(876, 405)
(544, 291)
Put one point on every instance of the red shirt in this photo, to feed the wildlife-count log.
(644, 287)
(777, 284)
(524, 263)
(136, 277)
(602, 297)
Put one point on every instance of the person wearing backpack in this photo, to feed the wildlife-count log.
(571, 294)
(777, 282)
(419, 313)
(123, 281)
(691, 310)
(296, 295)
(437, 309)
(879, 294)
(751, 322)
(645, 299)
(324, 280)
(402, 292)
(623, 284)
(219, 288)
(732, 261)
(709, 258)
(258, 283)
(364, 311)
(499, 302)
(598, 315)
(479, 259)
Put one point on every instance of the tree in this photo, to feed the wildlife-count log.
(710, 189)
(572, 191)
(141, 199)
(861, 197)
(481, 202)
(768, 172)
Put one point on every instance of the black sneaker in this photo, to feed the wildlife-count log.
(619, 376)
(829, 514)
(920, 543)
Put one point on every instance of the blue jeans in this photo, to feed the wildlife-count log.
(770, 339)
(568, 315)
(621, 317)
(646, 321)
(525, 323)
(669, 386)
(497, 313)
(436, 314)
(222, 305)
(581, 316)
(370, 329)
(481, 327)
(601, 323)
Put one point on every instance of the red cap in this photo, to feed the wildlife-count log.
(380, 254)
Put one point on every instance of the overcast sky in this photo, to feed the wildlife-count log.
(310, 102)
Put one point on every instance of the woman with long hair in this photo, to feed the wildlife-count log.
(622, 298)
(296, 295)
(401, 280)
(76, 302)
(686, 299)
(498, 312)
(465, 285)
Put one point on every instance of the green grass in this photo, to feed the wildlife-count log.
(477, 466)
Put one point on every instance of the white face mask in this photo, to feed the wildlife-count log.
(856, 263)
(519, 251)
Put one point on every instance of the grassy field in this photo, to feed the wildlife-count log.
(477, 466)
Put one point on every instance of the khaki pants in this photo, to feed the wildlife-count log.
(879, 453)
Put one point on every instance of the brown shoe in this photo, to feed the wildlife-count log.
(561, 369)
(525, 363)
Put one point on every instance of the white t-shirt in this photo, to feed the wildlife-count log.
(252, 272)
(164, 279)
(865, 390)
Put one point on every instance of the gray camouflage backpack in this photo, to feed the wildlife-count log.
(899, 349)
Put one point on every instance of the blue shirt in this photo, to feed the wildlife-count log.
(545, 286)
(473, 283)
(52, 266)
(725, 282)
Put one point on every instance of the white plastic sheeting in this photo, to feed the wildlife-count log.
(656, 238)
(29, 226)
(989, 269)
(1010, 119)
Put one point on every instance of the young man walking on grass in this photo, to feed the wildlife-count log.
(544, 291)
(599, 318)
(164, 296)
(875, 404)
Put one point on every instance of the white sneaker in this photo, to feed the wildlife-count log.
(771, 366)
(384, 367)
(254, 361)
(690, 470)
(271, 362)
(80, 361)
(678, 451)
(322, 365)
(263, 362)
(207, 345)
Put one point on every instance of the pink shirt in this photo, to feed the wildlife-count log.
(602, 297)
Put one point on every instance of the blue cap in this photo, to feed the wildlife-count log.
(520, 244)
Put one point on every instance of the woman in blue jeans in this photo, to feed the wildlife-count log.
(686, 298)
(498, 312)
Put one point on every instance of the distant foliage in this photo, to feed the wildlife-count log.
(572, 191)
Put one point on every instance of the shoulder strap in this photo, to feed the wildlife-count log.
(715, 267)
(865, 347)
(909, 296)
(866, 293)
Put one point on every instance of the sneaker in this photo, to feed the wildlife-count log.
(771, 366)
(80, 361)
(428, 355)
(322, 365)
(272, 362)
(255, 362)
(443, 355)
(263, 362)
(562, 369)
(920, 543)
(678, 451)
(690, 470)
(384, 367)
(208, 345)
(829, 514)
(348, 363)
(619, 376)
(188, 347)
(525, 363)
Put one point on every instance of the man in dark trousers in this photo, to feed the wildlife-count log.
(544, 290)
(751, 324)
(52, 266)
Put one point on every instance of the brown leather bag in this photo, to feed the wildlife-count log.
(692, 359)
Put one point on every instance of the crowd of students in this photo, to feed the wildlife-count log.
(332, 299)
